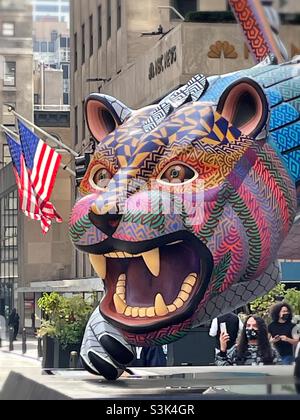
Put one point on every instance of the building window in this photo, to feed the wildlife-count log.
(9, 73)
(99, 26)
(8, 29)
(75, 52)
(183, 7)
(83, 44)
(83, 120)
(44, 47)
(108, 19)
(8, 251)
(76, 124)
(91, 36)
(37, 99)
(119, 15)
(51, 47)
(54, 36)
(63, 42)
(66, 98)
(36, 46)
(65, 69)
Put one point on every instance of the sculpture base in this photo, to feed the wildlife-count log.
(181, 383)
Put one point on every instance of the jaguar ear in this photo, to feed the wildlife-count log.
(104, 114)
(245, 106)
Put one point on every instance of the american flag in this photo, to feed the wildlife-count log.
(35, 167)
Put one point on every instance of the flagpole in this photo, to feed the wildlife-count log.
(11, 133)
(16, 137)
(44, 133)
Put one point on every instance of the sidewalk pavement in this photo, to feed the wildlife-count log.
(32, 348)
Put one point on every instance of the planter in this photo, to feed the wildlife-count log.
(55, 356)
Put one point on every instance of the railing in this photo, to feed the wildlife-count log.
(52, 107)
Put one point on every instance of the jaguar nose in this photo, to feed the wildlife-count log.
(107, 223)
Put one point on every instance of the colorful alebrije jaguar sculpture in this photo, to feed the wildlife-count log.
(185, 205)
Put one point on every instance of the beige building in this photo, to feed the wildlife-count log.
(48, 87)
(16, 58)
(27, 256)
(139, 51)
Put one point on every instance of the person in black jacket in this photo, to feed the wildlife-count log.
(14, 321)
(280, 331)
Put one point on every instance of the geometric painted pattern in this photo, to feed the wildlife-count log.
(249, 200)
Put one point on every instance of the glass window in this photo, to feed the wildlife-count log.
(99, 26)
(44, 46)
(54, 36)
(183, 7)
(8, 29)
(76, 125)
(8, 251)
(51, 47)
(65, 68)
(83, 44)
(63, 42)
(91, 36)
(108, 19)
(46, 8)
(66, 98)
(36, 46)
(119, 15)
(83, 119)
(10, 73)
(75, 52)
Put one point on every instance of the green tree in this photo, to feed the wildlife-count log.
(261, 306)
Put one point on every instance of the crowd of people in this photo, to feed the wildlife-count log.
(255, 342)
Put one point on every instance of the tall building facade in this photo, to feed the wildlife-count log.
(51, 47)
(55, 9)
(16, 89)
(140, 51)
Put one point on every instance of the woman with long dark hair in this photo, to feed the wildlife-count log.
(253, 346)
(281, 331)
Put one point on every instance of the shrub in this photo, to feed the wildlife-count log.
(65, 318)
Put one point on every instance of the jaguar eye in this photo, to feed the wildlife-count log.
(101, 178)
(178, 174)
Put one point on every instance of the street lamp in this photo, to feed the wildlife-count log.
(174, 10)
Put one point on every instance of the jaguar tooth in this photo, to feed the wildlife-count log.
(99, 264)
(152, 261)
(161, 308)
(120, 305)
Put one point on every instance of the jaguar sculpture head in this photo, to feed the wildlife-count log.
(185, 204)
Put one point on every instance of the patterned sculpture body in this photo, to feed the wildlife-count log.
(185, 205)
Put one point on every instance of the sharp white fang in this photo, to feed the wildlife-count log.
(99, 264)
(160, 306)
(152, 261)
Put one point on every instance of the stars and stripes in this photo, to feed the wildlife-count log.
(35, 167)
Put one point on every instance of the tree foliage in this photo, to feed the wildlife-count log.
(65, 318)
(262, 305)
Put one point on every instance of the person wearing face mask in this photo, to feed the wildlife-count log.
(280, 331)
(253, 347)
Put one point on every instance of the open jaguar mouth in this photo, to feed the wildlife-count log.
(155, 288)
